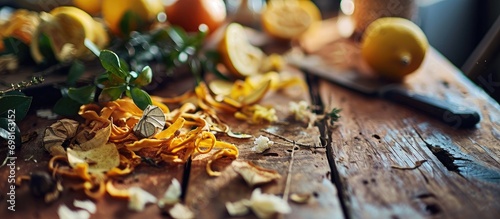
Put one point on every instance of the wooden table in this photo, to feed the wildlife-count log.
(365, 167)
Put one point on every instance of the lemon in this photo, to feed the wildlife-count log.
(239, 56)
(67, 27)
(394, 47)
(92, 7)
(143, 13)
(289, 19)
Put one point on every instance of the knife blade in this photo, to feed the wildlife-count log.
(454, 115)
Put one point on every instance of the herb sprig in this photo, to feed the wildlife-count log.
(127, 69)
(116, 81)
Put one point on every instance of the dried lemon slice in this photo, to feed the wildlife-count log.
(239, 56)
(289, 19)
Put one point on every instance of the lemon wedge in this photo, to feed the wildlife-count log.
(239, 56)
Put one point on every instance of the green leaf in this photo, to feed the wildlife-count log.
(111, 63)
(178, 35)
(124, 65)
(131, 21)
(16, 47)
(198, 39)
(212, 67)
(144, 78)
(9, 127)
(44, 45)
(102, 79)
(75, 72)
(196, 70)
(160, 35)
(112, 93)
(66, 107)
(82, 95)
(141, 98)
(20, 104)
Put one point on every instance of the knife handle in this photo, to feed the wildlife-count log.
(451, 114)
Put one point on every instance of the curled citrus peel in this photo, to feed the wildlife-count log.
(110, 128)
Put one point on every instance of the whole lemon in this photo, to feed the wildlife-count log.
(394, 47)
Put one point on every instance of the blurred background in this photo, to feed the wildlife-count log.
(453, 27)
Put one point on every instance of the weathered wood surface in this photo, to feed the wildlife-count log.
(310, 175)
(461, 178)
(368, 148)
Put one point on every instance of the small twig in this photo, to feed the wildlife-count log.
(23, 84)
(417, 165)
(289, 174)
(29, 158)
(288, 140)
(4, 161)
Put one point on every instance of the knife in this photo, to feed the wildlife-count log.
(454, 115)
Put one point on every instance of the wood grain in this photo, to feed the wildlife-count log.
(461, 178)
(310, 171)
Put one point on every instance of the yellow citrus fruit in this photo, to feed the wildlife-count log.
(143, 13)
(289, 19)
(190, 14)
(67, 27)
(394, 47)
(92, 7)
(239, 56)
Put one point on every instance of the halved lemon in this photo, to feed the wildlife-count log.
(289, 19)
(67, 27)
(239, 56)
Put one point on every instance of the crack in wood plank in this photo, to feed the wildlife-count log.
(326, 133)
(462, 164)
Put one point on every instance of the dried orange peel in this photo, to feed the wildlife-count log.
(109, 128)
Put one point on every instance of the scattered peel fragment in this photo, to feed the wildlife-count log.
(263, 205)
(267, 205)
(180, 211)
(299, 110)
(65, 213)
(239, 208)
(86, 205)
(253, 174)
(261, 144)
(139, 198)
(300, 198)
(172, 195)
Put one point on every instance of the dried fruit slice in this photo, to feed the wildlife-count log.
(257, 94)
(220, 87)
(239, 56)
